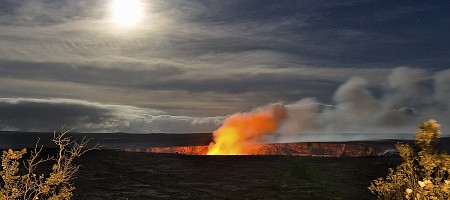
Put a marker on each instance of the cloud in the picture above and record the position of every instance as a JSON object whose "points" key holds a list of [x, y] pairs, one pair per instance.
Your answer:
{"points": [[442, 89], [397, 109], [310, 33], [25, 114], [409, 99], [225, 79], [406, 100], [409, 86], [197, 59], [301, 116], [44, 12]]}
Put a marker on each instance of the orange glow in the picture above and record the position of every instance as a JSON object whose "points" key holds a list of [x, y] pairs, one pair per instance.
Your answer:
{"points": [[240, 132], [323, 149]]}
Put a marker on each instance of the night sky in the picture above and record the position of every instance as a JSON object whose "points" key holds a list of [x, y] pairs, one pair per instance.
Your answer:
{"points": [[368, 66]]}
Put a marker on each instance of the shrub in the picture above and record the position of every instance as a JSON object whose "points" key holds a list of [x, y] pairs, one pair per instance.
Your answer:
{"points": [[424, 173], [22, 182]]}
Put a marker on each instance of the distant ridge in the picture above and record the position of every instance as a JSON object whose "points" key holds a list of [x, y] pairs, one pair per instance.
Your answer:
{"points": [[120, 141], [18, 139]]}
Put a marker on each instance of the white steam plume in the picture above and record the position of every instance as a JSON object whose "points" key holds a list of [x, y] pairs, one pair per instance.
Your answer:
{"points": [[408, 97]]}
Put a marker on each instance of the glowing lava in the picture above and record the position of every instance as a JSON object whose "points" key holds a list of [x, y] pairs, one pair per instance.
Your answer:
{"points": [[241, 131], [310, 149]]}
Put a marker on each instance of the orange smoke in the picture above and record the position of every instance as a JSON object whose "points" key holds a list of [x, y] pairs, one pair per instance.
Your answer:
{"points": [[241, 131]]}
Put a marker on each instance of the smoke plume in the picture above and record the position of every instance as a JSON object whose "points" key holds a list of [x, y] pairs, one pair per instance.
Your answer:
{"points": [[408, 96], [241, 131]]}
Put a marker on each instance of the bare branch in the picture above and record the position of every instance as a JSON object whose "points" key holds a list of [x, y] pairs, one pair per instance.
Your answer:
{"points": [[55, 185]]}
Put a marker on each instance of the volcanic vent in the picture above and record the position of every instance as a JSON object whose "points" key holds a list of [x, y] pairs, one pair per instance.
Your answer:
{"points": [[242, 133], [291, 149]]}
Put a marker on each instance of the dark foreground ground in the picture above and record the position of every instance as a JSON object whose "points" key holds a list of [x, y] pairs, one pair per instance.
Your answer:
{"points": [[110, 174], [127, 175]]}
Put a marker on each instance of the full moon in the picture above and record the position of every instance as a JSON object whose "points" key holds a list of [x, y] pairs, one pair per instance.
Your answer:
{"points": [[127, 12]]}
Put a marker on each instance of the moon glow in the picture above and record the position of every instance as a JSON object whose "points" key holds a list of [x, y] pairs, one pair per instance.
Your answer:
{"points": [[127, 12]]}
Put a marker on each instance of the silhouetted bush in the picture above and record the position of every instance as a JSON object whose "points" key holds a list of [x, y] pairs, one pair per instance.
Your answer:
{"points": [[26, 184], [424, 173]]}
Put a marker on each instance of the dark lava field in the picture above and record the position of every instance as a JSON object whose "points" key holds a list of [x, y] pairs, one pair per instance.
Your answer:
{"points": [[129, 175]]}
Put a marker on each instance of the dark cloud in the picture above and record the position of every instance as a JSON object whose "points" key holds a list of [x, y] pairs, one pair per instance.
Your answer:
{"points": [[100, 74], [50, 114], [356, 34], [49, 12], [170, 78], [265, 83], [47, 116]]}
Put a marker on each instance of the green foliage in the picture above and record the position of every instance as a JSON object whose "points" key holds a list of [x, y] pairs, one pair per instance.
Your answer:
{"points": [[424, 173], [57, 185]]}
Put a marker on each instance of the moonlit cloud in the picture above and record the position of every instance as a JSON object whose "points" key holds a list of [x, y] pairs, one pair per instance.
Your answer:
{"points": [[26, 114], [193, 60]]}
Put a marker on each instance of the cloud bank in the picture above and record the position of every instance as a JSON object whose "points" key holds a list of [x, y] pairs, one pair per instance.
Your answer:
{"points": [[25, 114], [407, 97]]}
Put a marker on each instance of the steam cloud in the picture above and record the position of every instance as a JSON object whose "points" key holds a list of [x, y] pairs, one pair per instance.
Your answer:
{"points": [[408, 96]]}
